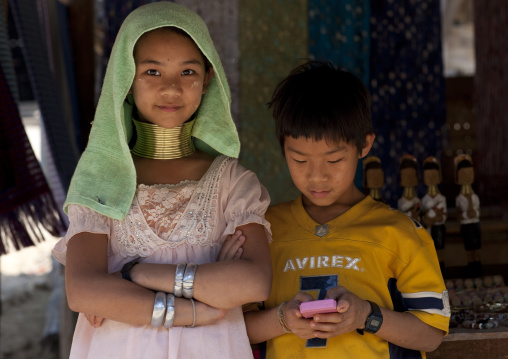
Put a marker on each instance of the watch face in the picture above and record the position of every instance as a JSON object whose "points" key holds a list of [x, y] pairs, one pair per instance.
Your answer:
{"points": [[374, 322]]}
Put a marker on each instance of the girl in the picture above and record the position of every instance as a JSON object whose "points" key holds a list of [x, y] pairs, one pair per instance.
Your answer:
{"points": [[173, 196]]}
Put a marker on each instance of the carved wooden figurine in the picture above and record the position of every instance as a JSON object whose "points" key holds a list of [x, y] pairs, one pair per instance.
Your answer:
{"points": [[409, 203], [434, 209], [468, 214], [374, 177]]}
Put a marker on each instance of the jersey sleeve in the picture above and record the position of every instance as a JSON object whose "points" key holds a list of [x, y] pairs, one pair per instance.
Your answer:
{"points": [[81, 219], [422, 289], [247, 200]]}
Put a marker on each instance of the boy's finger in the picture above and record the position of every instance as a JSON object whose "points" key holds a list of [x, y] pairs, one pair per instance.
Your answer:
{"points": [[335, 292], [342, 306]]}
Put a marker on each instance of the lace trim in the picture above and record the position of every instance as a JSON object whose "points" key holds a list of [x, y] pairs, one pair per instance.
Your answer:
{"points": [[194, 224]]}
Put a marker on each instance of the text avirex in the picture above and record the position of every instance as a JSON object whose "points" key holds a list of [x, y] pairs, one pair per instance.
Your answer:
{"points": [[322, 262]]}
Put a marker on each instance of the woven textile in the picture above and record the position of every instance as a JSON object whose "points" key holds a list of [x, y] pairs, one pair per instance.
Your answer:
{"points": [[32, 24], [25, 198], [339, 31], [491, 92], [273, 40], [407, 84]]}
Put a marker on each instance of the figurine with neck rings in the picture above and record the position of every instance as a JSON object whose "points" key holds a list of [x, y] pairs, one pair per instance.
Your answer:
{"points": [[374, 177], [468, 214], [409, 203], [434, 209]]}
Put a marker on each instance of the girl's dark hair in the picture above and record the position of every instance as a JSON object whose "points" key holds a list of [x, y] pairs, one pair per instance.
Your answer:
{"points": [[320, 101], [181, 32]]}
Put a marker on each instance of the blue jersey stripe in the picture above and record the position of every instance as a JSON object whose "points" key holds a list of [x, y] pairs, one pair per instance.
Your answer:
{"points": [[423, 303]]}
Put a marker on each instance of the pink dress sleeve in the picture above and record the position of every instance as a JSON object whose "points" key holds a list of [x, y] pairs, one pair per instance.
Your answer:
{"points": [[82, 219], [247, 200]]}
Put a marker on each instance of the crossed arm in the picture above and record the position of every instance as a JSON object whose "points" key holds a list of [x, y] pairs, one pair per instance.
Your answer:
{"points": [[218, 286]]}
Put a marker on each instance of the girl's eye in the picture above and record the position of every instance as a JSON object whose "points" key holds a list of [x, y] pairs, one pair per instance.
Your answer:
{"points": [[153, 72], [300, 161], [188, 72]]}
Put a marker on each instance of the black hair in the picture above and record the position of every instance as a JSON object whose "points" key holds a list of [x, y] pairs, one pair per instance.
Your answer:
{"points": [[180, 32], [430, 166], [373, 165], [464, 164], [318, 100], [408, 163]]}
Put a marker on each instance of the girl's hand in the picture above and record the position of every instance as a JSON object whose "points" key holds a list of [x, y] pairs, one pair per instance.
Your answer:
{"points": [[299, 325], [94, 320], [206, 315], [232, 247], [352, 314]]}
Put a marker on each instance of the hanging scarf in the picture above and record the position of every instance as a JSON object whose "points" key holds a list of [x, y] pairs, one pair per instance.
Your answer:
{"points": [[105, 178], [26, 201]]}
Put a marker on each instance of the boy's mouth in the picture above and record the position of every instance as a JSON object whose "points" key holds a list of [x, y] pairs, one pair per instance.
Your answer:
{"points": [[319, 194]]}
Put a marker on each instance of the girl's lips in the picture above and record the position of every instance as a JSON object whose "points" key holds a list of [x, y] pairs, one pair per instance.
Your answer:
{"points": [[319, 194], [169, 108]]}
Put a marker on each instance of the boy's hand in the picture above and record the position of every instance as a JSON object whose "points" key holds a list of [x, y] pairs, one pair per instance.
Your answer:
{"points": [[352, 314], [232, 247], [299, 325]]}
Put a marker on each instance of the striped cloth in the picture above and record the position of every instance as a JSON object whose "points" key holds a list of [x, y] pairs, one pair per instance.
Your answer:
{"points": [[27, 16], [26, 202]]}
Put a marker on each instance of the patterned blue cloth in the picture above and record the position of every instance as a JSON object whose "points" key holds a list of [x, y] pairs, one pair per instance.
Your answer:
{"points": [[339, 32], [407, 85]]}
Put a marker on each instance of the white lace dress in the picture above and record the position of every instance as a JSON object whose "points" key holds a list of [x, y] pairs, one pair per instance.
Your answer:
{"points": [[186, 222]]}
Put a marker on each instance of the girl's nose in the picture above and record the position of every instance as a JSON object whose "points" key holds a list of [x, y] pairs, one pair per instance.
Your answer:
{"points": [[171, 87]]}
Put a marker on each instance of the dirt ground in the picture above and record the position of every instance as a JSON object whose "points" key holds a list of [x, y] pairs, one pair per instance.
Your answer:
{"points": [[26, 286], [22, 323]]}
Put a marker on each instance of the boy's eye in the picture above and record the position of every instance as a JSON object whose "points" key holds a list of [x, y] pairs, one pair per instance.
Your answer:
{"points": [[153, 72], [188, 72], [340, 159]]}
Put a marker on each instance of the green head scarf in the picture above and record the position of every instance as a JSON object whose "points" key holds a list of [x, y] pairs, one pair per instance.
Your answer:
{"points": [[105, 178]]}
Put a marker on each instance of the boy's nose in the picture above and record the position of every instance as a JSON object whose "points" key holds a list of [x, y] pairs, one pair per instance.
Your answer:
{"points": [[317, 173]]}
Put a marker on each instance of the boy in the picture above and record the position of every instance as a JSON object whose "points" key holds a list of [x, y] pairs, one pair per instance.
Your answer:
{"points": [[335, 242]]}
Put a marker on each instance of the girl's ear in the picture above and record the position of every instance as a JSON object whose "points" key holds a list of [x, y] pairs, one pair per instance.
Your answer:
{"points": [[208, 77], [369, 141]]}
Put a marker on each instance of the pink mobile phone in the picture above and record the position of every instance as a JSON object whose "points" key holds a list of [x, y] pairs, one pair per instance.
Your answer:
{"points": [[309, 309]]}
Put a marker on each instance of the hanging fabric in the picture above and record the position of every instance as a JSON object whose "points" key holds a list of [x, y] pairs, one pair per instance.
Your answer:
{"points": [[339, 32], [26, 202], [407, 84], [58, 124]]}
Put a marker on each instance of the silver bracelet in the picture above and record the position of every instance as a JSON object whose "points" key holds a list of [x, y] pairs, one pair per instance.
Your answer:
{"points": [[170, 310], [193, 313], [180, 270], [188, 280], [159, 309]]}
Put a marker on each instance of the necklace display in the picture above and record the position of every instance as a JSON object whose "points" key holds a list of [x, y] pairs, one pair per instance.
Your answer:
{"points": [[163, 143]]}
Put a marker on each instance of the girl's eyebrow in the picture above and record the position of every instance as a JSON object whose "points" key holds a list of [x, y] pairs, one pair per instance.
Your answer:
{"points": [[155, 62]]}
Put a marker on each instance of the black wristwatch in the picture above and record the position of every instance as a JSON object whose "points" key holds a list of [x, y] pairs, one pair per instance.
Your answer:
{"points": [[126, 269], [374, 320]]}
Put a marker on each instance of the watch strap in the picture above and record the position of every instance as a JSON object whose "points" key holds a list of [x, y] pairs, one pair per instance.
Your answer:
{"points": [[374, 315], [126, 269]]}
